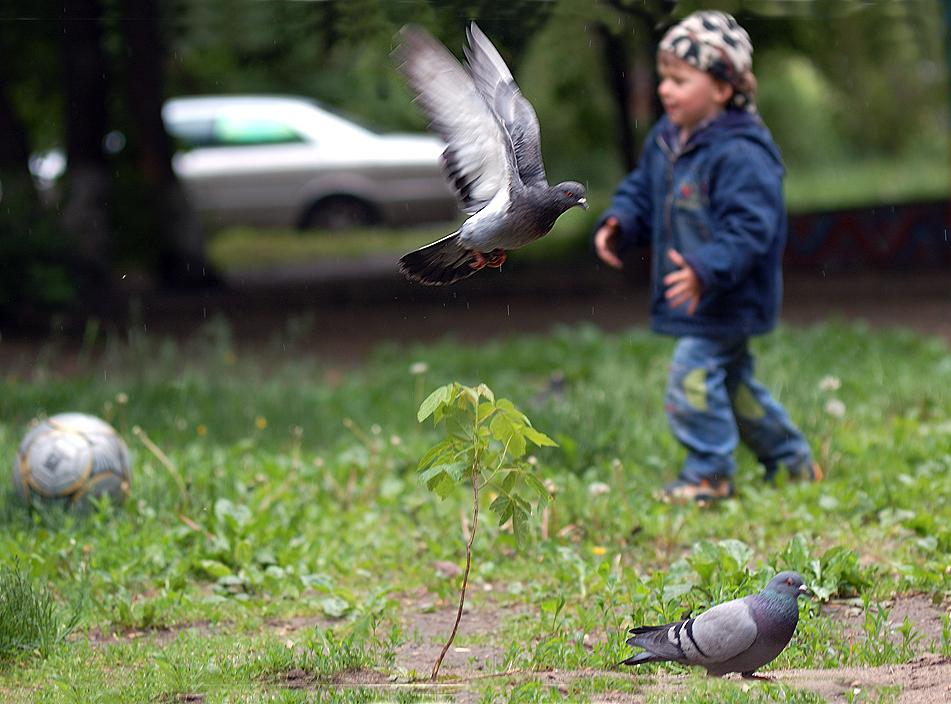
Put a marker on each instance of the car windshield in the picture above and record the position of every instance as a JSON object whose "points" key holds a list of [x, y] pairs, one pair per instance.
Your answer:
{"points": [[358, 120]]}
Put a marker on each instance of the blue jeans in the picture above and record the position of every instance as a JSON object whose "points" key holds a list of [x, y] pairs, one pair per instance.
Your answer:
{"points": [[712, 401]]}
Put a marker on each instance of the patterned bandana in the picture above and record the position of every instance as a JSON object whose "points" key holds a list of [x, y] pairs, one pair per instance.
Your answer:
{"points": [[715, 43]]}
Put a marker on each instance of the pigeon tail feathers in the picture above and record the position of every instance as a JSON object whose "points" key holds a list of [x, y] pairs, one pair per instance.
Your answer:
{"points": [[641, 658], [443, 262], [656, 643]]}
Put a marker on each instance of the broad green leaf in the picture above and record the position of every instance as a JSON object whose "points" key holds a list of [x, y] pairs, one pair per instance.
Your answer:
{"points": [[427, 407], [485, 410], [243, 552], [739, 552], [434, 453], [516, 445], [470, 395], [334, 607], [502, 507], [520, 528], [515, 415], [501, 428], [485, 391], [215, 569], [455, 471], [505, 405], [539, 438], [537, 485]]}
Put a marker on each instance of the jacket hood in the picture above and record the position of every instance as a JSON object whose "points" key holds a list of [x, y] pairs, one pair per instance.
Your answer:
{"points": [[728, 124]]}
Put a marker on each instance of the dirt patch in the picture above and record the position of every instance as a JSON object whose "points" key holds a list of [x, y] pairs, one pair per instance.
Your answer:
{"points": [[428, 629], [922, 613], [926, 680], [158, 634]]}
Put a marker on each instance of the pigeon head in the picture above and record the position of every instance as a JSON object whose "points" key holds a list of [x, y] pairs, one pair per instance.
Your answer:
{"points": [[569, 194], [789, 584]]}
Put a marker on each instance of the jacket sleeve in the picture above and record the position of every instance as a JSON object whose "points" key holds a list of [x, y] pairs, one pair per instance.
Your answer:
{"points": [[632, 202], [746, 201]]}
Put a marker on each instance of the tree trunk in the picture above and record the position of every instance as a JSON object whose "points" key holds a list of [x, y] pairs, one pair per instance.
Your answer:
{"points": [[85, 215], [16, 184], [182, 257], [616, 62]]}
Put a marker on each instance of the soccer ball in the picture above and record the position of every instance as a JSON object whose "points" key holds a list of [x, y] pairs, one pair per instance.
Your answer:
{"points": [[71, 457]]}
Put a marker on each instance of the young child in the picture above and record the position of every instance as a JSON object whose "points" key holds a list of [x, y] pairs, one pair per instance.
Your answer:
{"points": [[707, 195]]}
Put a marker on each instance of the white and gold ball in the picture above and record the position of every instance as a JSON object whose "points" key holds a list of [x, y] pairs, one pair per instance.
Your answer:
{"points": [[71, 457]]}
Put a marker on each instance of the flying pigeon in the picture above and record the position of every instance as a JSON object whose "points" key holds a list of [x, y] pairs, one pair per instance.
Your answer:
{"points": [[492, 157], [738, 636]]}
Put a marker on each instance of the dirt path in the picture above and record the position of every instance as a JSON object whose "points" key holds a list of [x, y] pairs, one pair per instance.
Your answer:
{"points": [[341, 318]]}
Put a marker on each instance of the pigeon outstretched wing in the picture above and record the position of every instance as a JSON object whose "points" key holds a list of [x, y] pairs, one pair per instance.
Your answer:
{"points": [[479, 156], [494, 80]]}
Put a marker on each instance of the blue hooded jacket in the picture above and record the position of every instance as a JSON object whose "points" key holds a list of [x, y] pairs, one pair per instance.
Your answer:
{"points": [[719, 202]]}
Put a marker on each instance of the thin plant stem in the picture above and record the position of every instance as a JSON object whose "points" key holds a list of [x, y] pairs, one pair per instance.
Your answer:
{"points": [[165, 462], [465, 575]]}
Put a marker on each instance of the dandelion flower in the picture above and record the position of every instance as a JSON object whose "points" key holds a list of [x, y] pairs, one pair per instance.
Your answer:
{"points": [[418, 368], [260, 422], [598, 489], [835, 408], [830, 383], [201, 430], [599, 550]]}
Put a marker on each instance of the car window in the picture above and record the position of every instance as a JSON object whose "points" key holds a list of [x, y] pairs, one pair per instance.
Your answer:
{"points": [[189, 134], [233, 130]]}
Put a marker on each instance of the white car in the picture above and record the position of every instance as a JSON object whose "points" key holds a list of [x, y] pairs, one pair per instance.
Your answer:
{"points": [[286, 161]]}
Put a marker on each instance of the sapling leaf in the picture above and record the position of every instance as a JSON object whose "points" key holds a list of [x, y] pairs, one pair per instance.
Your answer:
{"points": [[507, 433], [520, 527], [507, 407], [503, 507], [471, 395], [538, 437], [442, 478], [485, 410], [483, 390], [537, 485], [436, 452], [437, 397]]}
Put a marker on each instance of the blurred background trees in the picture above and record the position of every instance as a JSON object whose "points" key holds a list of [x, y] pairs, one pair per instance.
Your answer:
{"points": [[841, 82]]}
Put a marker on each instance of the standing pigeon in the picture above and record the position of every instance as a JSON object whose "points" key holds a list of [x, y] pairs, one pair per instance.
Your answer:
{"points": [[739, 636], [492, 157]]}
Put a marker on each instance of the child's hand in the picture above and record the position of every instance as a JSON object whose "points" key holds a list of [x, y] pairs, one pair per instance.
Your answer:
{"points": [[683, 286], [605, 243]]}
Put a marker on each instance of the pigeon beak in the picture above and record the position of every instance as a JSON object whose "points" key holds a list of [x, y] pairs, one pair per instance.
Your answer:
{"points": [[804, 590], [583, 202]]}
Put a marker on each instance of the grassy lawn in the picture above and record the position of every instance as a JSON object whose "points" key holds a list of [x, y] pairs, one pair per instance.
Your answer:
{"points": [[831, 187], [301, 552]]}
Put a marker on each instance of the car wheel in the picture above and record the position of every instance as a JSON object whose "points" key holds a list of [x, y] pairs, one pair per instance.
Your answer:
{"points": [[340, 213]]}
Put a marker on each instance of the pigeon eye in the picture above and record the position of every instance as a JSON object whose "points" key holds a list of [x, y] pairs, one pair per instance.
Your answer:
{"points": [[569, 194]]}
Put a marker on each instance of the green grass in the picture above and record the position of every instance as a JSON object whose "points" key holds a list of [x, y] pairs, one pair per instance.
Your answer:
{"points": [[835, 186], [300, 499], [869, 182], [30, 621]]}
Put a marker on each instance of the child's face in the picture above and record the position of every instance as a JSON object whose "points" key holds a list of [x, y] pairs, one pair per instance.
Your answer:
{"points": [[690, 96]]}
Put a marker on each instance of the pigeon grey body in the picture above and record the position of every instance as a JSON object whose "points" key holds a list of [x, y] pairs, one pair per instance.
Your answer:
{"points": [[738, 636], [492, 156]]}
